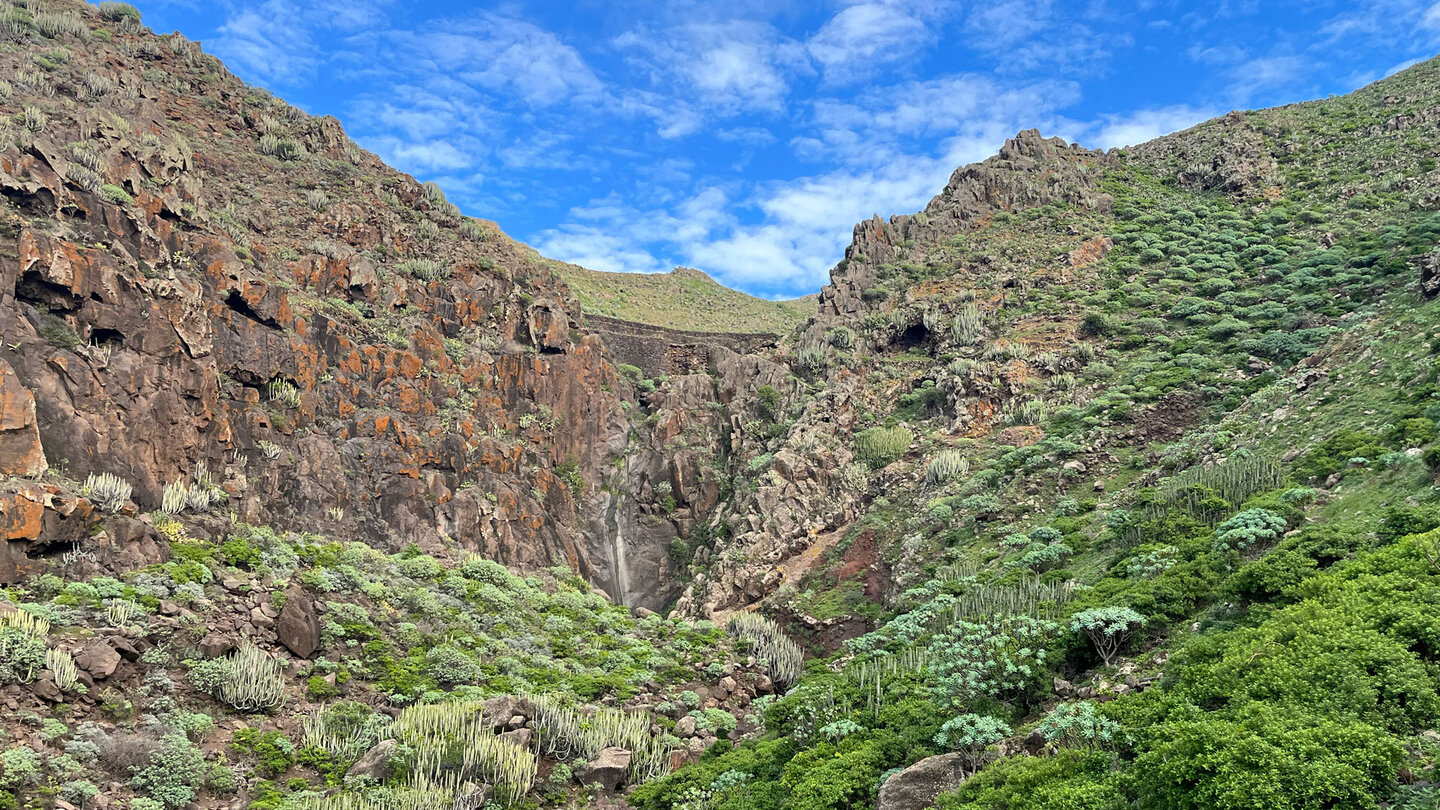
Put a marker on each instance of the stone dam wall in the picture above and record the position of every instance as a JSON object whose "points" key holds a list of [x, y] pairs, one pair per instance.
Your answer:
{"points": [[657, 350]]}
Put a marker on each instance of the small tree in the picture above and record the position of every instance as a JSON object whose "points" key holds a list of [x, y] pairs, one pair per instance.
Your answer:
{"points": [[1108, 628], [1078, 725], [1248, 528], [969, 735]]}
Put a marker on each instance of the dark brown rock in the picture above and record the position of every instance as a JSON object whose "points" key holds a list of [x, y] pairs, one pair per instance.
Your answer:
{"points": [[298, 628], [99, 659], [216, 645]]}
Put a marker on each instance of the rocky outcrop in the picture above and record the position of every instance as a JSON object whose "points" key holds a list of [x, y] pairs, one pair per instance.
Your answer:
{"points": [[1029, 171], [1227, 154], [916, 787], [659, 351]]}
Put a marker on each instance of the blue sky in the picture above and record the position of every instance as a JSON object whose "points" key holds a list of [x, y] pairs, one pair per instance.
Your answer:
{"points": [[747, 137]]}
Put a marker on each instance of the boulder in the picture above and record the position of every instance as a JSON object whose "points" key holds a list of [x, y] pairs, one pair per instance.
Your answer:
{"points": [[375, 764], [298, 628], [501, 711], [99, 659], [685, 726], [608, 769], [520, 736], [1035, 742], [126, 648], [472, 797], [916, 787], [44, 688], [215, 646]]}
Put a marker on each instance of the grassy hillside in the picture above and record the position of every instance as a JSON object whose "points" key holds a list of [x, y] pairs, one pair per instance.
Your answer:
{"points": [[1160, 520], [682, 299]]}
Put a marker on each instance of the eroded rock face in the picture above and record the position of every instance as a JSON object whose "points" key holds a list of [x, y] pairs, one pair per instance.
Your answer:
{"points": [[20, 450], [216, 320]]}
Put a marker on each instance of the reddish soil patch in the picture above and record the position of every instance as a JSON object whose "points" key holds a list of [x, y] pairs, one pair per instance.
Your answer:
{"points": [[862, 560]]}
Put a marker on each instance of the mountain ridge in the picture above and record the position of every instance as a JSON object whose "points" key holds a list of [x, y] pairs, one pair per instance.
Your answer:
{"points": [[1070, 492]]}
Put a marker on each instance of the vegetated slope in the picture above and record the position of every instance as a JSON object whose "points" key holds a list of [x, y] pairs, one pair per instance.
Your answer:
{"points": [[273, 418], [682, 299], [1126, 463], [1107, 479]]}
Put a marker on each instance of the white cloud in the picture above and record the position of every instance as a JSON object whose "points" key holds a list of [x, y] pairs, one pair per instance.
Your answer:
{"points": [[1139, 126], [882, 124], [420, 156], [1431, 18], [598, 249], [275, 41], [999, 26], [271, 41], [731, 66], [863, 38], [801, 230], [1253, 76], [502, 55]]}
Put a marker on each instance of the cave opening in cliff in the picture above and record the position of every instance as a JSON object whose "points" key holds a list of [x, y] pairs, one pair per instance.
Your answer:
{"points": [[913, 336], [107, 337], [34, 289], [237, 302]]}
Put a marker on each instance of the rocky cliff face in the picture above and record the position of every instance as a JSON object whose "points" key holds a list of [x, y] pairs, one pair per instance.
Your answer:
{"points": [[203, 287]]}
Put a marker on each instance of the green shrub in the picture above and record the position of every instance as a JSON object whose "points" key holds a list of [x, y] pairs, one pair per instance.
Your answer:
{"points": [[282, 147], [115, 195], [249, 679], [880, 446], [22, 654], [116, 12], [274, 753], [424, 269], [1045, 558], [946, 464], [19, 767], [1248, 529], [1108, 628], [998, 657], [1334, 454], [1270, 757], [1072, 779], [174, 774]]}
